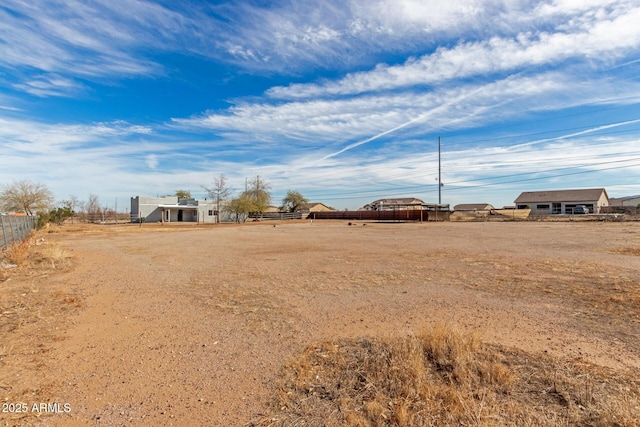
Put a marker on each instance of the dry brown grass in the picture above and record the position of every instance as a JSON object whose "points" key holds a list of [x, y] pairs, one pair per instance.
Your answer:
{"points": [[17, 252], [629, 251], [54, 256], [37, 253], [32, 309], [446, 377]]}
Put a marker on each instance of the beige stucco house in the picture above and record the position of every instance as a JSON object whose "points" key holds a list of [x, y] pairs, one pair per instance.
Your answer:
{"points": [[559, 202], [473, 207], [316, 207]]}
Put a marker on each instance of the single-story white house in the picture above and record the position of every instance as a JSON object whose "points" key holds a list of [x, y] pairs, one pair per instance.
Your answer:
{"points": [[172, 209], [557, 202]]}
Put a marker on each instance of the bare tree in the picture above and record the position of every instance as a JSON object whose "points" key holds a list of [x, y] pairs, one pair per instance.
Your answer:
{"points": [[92, 208], [259, 194], [73, 202], [219, 192], [25, 196]]}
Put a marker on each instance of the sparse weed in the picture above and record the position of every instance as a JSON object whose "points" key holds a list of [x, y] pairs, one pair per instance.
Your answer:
{"points": [[55, 255]]}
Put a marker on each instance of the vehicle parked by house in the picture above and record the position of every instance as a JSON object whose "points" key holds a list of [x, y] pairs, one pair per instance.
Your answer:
{"points": [[580, 209]]}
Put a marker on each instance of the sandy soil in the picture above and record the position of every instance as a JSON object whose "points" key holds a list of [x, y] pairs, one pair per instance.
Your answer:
{"points": [[193, 325]]}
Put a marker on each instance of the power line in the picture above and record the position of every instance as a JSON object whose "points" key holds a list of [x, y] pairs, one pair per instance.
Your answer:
{"points": [[539, 178], [352, 194]]}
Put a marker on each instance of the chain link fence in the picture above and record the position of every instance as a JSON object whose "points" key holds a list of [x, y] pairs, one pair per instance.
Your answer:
{"points": [[106, 217], [13, 228]]}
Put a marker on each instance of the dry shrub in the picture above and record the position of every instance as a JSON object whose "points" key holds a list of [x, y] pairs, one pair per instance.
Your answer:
{"points": [[17, 252], [54, 255], [445, 377], [35, 254]]}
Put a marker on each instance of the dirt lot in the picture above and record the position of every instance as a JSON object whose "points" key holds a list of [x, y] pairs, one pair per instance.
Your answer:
{"points": [[194, 325]]}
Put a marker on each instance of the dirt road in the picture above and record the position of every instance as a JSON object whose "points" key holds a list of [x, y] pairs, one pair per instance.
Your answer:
{"points": [[192, 326]]}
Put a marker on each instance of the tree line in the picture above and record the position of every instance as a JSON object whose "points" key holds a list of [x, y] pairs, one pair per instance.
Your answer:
{"points": [[35, 198], [253, 201]]}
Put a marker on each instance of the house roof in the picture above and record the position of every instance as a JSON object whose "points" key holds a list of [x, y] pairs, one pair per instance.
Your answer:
{"points": [[625, 198], [315, 205], [400, 201], [624, 201], [561, 196], [473, 207]]}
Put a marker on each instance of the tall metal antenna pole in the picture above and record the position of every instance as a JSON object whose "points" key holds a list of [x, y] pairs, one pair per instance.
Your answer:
{"points": [[439, 176]]}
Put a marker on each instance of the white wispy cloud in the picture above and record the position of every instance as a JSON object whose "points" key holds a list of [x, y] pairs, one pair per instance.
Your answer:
{"points": [[610, 37], [331, 123], [51, 85], [291, 36], [152, 161], [37, 137], [74, 39], [9, 108], [117, 38]]}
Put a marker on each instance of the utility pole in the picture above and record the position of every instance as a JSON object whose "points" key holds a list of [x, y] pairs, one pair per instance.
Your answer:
{"points": [[439, 176]]}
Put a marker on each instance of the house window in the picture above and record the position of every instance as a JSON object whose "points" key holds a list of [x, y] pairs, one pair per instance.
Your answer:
{"points": [[542, 207], [210, 212], [557, 208], [523, 206]]}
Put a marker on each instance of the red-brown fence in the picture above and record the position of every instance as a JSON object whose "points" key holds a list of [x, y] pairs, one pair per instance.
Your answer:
{"points": [[390, 215]]}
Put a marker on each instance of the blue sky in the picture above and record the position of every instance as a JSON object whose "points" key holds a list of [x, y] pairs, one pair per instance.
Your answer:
{"points": [[343, 101]]}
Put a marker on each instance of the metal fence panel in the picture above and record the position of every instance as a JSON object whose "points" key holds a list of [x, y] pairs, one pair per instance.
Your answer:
{"points": [[13, 228]]}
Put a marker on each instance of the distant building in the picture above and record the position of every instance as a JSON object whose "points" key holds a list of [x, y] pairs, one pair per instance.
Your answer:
{"points": [[559, 202], [631, 201], [473, 207], [316, 207], [402, 204], [272, 209], [172, 209]]}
